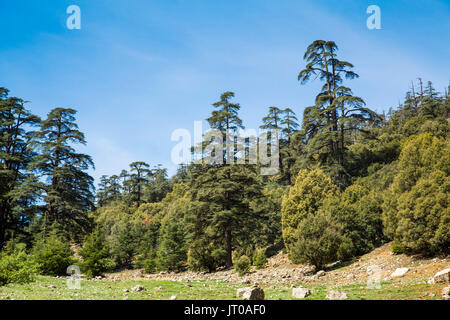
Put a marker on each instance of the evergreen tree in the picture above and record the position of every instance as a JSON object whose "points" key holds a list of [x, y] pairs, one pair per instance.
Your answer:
{"points": [[69, 188], [137, 180], [17, 195], [336, 110]]}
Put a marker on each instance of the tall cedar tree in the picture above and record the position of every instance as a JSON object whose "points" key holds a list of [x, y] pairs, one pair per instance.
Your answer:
{"points": [[336, 110], [69, 188], [225, 189], [17, 199]]}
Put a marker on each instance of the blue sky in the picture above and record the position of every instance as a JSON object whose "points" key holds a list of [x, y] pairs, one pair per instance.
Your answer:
{"points": [[139, 69]]}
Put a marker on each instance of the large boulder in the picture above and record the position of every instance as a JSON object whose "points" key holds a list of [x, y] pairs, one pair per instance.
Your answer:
{"points": [[300, 293], [138, 288], [446, 293], [399, 272], [336, 295], [442, 276], [250, 293]]}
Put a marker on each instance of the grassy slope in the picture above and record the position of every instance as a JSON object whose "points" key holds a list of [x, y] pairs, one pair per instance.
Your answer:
{"points": [[412, 286], [201, 290]]}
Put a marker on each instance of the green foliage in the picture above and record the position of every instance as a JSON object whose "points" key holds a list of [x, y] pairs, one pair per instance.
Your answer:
{"points": [[69, 191], [16, 266], [95, 255], [18, 185], [53, 255], [259, 258], [359, 212], [319, 238], [205, 256], [220, 210], [303, 200], [124, 242], [415, 211], [267, 208], [172, 253], [243, 265]]}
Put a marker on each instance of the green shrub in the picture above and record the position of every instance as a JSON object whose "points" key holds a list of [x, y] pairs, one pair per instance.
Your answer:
{"points": [[304, 199], [204, 255], [397, 247], [319, 238], [172, 248], [415, 210], [124, 242], [259, 258], [359, 212], [95, 255], [147, 261], [53, 256], [242, 265], [16, 267]]}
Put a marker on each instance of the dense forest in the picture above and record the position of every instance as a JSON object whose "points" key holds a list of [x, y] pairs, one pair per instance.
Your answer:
{"points": [[350, 179]]}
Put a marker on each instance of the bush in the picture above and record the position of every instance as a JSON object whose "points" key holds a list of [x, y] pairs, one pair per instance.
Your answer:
{"points": [[172, 248], [318, 240], [53, 256], [95, 255], [124, 243], [359, 211], [147, 261], [259, 258], [16, 267], [415, 210], [304, 199], [204, 255], [242, 265]]}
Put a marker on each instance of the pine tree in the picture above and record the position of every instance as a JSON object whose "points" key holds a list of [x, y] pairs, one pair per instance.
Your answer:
{"points": [[222, 192], [69, 188], [336, 110], [137, 180], [18, 194]]}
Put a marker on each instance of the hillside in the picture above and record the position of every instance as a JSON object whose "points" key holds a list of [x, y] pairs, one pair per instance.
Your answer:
{"points": [[280, 273]]}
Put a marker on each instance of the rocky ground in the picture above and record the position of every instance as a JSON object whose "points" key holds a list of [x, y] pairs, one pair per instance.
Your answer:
{"points": [[379, 264]]}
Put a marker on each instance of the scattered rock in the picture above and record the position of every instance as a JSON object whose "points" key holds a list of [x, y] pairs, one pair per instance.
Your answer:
{"points": [[320, 273], [311, 278], [52, 286], [300, 293], [250, 293], [446, 293], [442, 276], [399, 272], [336, 295], [173, 298], [159, 288], [126, 290], [138, 288], [98, 277], [350, 276]]}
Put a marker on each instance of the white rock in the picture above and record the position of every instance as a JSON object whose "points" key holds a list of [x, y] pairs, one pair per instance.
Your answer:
{"points": [[173, 298], [446, 293], [138, 288], [250, 293], [336, 295], [300, 293], [399, 272], [442, 276], [321, 273]]}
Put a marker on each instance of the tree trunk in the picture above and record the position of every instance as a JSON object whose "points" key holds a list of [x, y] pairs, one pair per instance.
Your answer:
{"points": [[229, 260]]}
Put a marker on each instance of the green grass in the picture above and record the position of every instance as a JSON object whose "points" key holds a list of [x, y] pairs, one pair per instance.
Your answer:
{"points": [[200, 290]]}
